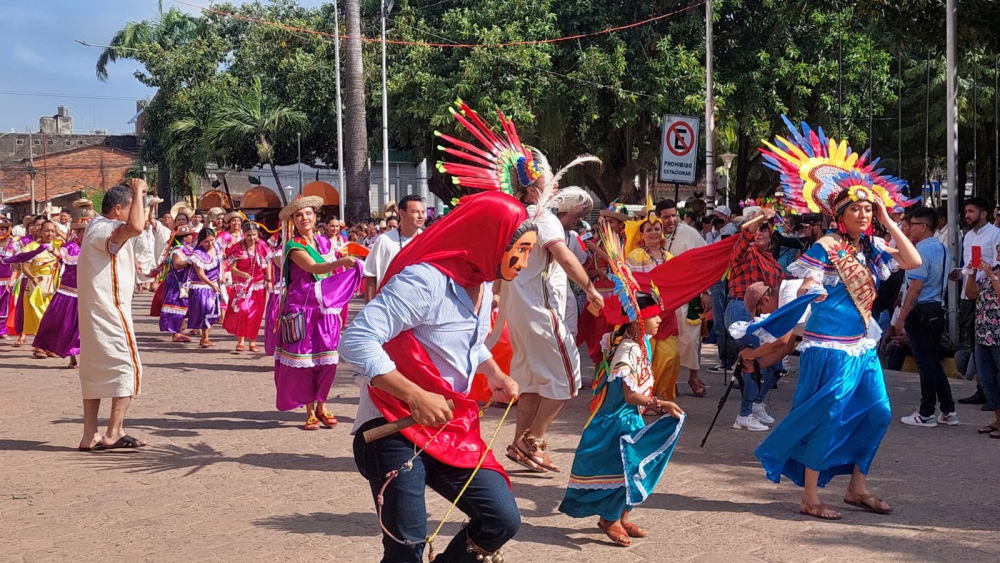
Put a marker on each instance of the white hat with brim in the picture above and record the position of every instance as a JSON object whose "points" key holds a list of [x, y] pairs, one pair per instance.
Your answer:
{"points": [[313, 201]]}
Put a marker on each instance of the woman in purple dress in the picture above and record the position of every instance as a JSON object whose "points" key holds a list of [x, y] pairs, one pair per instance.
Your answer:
{"points": [[175, 297], [59, 331], [305, 364], [203, 295]]}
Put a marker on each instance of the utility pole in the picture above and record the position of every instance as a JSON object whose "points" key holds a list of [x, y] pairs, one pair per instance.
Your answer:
{"points": [[954, 205], [341, 189], [31, 169], [386, 6], [298, 159], [709, 113]]}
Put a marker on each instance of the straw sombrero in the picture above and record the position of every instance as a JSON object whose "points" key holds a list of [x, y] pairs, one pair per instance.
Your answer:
{"points": [[183, 232], [232, 215], [215, 212], [83, 203], [84, 218], [313, 201]]}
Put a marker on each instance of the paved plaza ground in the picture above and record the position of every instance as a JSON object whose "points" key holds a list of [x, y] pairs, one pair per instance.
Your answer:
{"points": [[228, 478]]}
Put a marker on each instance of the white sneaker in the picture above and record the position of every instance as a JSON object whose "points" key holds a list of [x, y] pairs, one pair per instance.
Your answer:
{"points": [[749, 423], [760, 413], [949, 419], [916, 420]]}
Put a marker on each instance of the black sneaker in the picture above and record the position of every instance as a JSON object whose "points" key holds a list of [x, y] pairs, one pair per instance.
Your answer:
{"points": [[977, 398]]}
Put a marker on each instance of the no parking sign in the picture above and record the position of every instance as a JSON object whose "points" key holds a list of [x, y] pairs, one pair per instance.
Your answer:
{"points": [[679, 149]]}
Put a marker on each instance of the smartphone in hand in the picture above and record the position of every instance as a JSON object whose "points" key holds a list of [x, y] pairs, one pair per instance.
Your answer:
{"points": [[977, 256]]}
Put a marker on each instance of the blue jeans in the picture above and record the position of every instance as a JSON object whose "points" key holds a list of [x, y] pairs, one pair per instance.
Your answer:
{"points": [[753, 394], [988, 373], [727, 355], [925, 347], [488, 502]]}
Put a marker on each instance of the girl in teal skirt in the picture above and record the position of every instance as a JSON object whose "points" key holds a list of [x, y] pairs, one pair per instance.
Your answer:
{"points": [[620, 458]]}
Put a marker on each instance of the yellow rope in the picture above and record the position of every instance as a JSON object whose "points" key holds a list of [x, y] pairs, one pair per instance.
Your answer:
{"points": [[489, 447]]}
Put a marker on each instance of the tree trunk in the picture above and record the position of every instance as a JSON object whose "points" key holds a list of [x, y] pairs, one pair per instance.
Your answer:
{"points": [[356, 174], [277, 182], [225, 186]]}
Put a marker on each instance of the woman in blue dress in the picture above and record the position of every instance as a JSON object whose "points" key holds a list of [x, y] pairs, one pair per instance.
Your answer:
{"points": [[840, 410], [620, 458]]}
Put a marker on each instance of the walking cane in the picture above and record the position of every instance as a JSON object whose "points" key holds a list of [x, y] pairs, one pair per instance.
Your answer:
{"points": [[391, 428]]}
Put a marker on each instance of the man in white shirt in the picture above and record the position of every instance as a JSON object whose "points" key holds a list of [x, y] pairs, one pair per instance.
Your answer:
{"points": [[986, 236], [197, 221], [412, 214], [729, 229], [943, 233], [680, 238]]}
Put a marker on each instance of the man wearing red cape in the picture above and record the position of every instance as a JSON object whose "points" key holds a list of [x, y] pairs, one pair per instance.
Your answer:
{"points": [[419, 343]]}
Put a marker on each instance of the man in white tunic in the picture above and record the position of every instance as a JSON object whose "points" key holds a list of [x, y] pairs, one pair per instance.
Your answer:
{"points": [[109, 356], [546, 361]]}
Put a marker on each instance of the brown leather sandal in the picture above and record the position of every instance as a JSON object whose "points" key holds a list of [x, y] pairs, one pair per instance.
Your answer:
{"points": [[515, 455], [537, 452], [821, 511], [615, 532], [634, 530], [869, 502]]}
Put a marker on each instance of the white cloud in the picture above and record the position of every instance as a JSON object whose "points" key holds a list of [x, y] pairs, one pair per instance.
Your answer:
{"points": [[26, 55]]}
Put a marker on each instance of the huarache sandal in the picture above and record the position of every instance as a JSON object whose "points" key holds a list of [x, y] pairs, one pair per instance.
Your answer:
{"points": [[615, 531], [40, 355], [995, 434], [312, 423], [180, 338], [634, 531], [821, 511], [989, 429], [515, 455], [328, 419], [536, 450], [18, 344], [697, 388], [868, 502], [240, 348], [254, 348], [124, 443]]}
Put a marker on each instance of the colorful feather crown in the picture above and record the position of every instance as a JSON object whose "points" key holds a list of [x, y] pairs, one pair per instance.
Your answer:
{"points": [[822, 176], [502, 163]]}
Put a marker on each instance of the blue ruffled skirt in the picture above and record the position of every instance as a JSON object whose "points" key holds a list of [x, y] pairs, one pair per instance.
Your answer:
{"points": [[840, 412]]}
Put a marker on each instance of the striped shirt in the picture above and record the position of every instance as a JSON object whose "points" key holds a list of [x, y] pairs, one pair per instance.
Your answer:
{"points": [[442, 317]]}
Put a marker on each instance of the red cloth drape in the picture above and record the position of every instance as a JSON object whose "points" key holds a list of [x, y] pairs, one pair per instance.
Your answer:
{"points": [[682, 278]]}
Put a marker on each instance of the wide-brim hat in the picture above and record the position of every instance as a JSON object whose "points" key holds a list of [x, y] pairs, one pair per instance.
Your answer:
{"points": [[215, 212], [82, 221], [153, 200], [313, 201], [616, 211], [4, 221], [181, 209], [183, 232], [232, 215], [83, 203]]}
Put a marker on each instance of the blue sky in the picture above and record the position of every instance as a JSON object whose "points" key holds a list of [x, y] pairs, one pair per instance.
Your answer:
{"points": [[42, 67]]}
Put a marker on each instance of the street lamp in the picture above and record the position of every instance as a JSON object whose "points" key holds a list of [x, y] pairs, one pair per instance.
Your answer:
{"points": [[288, 193], [727, 163]]}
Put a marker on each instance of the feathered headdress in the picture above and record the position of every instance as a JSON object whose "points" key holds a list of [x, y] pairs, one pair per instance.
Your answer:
{"points": [[626, 290], [503, 163], [823, 176]]}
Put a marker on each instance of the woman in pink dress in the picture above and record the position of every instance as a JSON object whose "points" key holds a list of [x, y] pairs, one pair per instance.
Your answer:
{"points": [[250, 266]]}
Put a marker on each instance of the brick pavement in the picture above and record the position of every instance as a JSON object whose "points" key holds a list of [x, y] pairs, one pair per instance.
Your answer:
{"points": [[228, 478]]}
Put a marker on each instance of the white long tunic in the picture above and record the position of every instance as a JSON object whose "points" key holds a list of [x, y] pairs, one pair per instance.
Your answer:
{"points": [[546, 360], [109, 356]]}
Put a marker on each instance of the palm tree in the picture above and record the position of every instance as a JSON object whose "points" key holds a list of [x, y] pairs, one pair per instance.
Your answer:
{"points": [[254, 117], [135, 41], [356, 174]]}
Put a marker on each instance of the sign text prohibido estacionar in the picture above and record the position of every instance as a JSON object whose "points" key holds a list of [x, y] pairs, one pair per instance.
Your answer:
{"points": [[679, 149]]}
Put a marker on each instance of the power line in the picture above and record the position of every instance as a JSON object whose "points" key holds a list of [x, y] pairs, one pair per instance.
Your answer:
{"points": [[55, 95]]}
